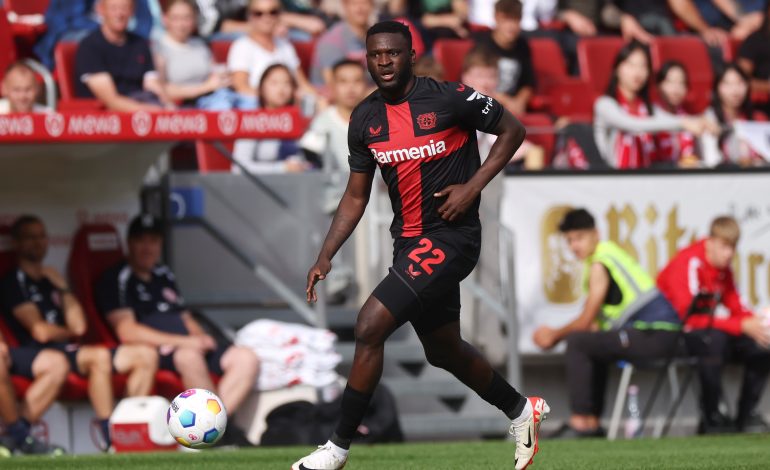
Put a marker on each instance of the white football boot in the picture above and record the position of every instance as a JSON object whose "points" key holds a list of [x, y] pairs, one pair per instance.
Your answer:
{"points": [[526, 433], [323, 458]]}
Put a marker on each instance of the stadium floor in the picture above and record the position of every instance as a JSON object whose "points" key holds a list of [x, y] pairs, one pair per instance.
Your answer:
{"points": [[734, 452]]}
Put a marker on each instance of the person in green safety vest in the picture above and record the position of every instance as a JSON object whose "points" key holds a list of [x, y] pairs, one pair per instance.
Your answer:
{"points": [[624, 317]]}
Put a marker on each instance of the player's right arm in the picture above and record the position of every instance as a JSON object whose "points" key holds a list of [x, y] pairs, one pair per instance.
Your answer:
{"points": [[349, 213], [130, 331]]}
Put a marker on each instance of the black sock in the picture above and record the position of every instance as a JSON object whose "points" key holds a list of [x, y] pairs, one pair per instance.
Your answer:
{"points": [[354, 405], [104, 425], [18, 430], [502, 395]]}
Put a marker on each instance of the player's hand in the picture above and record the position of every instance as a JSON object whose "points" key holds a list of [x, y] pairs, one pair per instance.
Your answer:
{"points": [[207, 342], [459, 198], [754, 328], [544, 337], [317, 273]]}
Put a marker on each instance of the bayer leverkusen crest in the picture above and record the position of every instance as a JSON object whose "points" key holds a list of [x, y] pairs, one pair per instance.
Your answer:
{"points": [[426, 121]]}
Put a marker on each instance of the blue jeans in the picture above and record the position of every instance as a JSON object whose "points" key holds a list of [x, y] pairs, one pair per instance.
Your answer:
{"points": [[225, 99]]}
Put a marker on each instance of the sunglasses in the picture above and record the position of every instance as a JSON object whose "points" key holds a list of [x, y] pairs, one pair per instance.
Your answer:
{"points": [[260, 13]]}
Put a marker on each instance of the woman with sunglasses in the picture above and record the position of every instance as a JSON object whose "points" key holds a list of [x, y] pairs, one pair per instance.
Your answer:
{"points": [[252, 54]]}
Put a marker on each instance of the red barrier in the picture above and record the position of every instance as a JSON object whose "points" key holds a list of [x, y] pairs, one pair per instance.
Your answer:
{"points": [[144, 126]]}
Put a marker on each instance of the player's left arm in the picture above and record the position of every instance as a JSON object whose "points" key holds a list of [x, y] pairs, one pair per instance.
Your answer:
{"points": [[510, 134], [74, 317]]}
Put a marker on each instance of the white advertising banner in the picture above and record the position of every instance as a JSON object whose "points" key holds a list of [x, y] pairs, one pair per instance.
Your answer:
{"points": [[650, 216]]}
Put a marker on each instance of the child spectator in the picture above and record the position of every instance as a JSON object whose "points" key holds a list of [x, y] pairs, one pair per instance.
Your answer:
{"points": [[623, 118], [116, 66], [480, 72], [516, 74], [186, 65], [251, 55], [674, 148], [19, 90], [276, 90], [732, 103], [345, 40]]}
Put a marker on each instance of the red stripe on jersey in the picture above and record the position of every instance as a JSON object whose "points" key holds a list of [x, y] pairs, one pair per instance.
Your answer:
{"points": [[409, 177]]}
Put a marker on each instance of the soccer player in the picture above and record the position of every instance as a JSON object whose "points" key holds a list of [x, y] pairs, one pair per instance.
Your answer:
{"points": [[46, 315], [734, 333], [422, 135], [624, 318]]}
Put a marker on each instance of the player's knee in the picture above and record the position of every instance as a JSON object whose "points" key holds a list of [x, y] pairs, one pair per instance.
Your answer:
{"points": [[145, 358], [577, 340], [53, 364], [369, 333], [244, 361], [99, 359], [188, 360]]}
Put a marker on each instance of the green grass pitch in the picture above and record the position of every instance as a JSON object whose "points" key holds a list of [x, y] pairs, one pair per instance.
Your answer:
{"points": [[733, 452]]}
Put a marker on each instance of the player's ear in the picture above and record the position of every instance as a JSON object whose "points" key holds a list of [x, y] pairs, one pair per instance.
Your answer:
{"points": [[413, 56]]}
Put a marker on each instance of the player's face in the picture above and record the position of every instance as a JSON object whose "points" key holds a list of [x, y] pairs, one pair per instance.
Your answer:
{"points": [[582, 243], [20, 88], [32, 244], [719, 252], [349, 86], [144, 251], [116, 14], [390, 61], [179, 21]]}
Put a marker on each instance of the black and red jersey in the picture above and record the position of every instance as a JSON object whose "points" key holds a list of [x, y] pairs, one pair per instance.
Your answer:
{"points": [[422, 143]]}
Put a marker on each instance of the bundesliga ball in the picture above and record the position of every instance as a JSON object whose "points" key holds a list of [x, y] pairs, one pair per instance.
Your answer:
{"points": [[196, 418]]}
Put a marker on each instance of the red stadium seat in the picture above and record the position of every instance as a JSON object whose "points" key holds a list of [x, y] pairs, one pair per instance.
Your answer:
{"points": [[25, 32], [550, 70], [64, 56], [540, 131], [95, 248], [7, 46], [574, 99], [450, 53], [693, 54], [595, 57], [417, 42], [27, 7], [220, 49], [210, 159]]}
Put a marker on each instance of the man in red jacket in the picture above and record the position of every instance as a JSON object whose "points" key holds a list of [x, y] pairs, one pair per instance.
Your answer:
{"points": [[736, 333]]}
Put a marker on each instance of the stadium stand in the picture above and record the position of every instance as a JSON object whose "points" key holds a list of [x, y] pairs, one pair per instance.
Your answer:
{"points": [[64, 56], [595, 57], [692, 53], [450, 54]]}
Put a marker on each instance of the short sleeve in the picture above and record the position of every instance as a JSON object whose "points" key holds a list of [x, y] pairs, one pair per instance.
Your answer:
{"points": [[360, 159], [107, 293], [12, 293], [239, 58], [148, 63], [473, 109]]}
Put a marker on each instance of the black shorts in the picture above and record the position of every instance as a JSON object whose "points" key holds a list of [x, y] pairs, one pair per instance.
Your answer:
{"points": [[22, 357], [423, 285], [213, 360]]}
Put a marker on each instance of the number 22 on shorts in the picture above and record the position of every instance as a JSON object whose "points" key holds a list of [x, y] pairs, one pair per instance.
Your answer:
{"points": [[426, 263]]}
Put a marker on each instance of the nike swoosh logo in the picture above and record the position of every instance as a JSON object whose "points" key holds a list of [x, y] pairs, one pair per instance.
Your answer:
{"points": [[529, 440], [303, 467]]}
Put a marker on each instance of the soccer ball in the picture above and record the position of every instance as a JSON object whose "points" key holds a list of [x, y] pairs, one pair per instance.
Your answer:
{"points": [[196, 418]]}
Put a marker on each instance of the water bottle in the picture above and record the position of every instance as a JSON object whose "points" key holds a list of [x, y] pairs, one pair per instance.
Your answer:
{"points": [[634, 422]]}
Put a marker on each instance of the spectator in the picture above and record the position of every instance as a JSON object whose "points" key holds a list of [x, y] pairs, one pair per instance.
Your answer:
{"points": [[534, 13], [674, 148], [46, 315], [345, 40], [623, 117], [624, 318], [428, 66], [735, 333], [732, 103], [251, 55], [438, 18], [141, 301], [47, 369], [276, 90], [754, 57], [516, 80], [19, 90], [326, 139], [115, 65], [582, 19], [739, 18], [228, 19], [72, 20], [480, 72], [641, 21], [186, 65], [482, 12]]}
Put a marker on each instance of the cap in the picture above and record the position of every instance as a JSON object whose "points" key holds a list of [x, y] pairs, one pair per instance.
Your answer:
{"points": [[143, 224]]}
